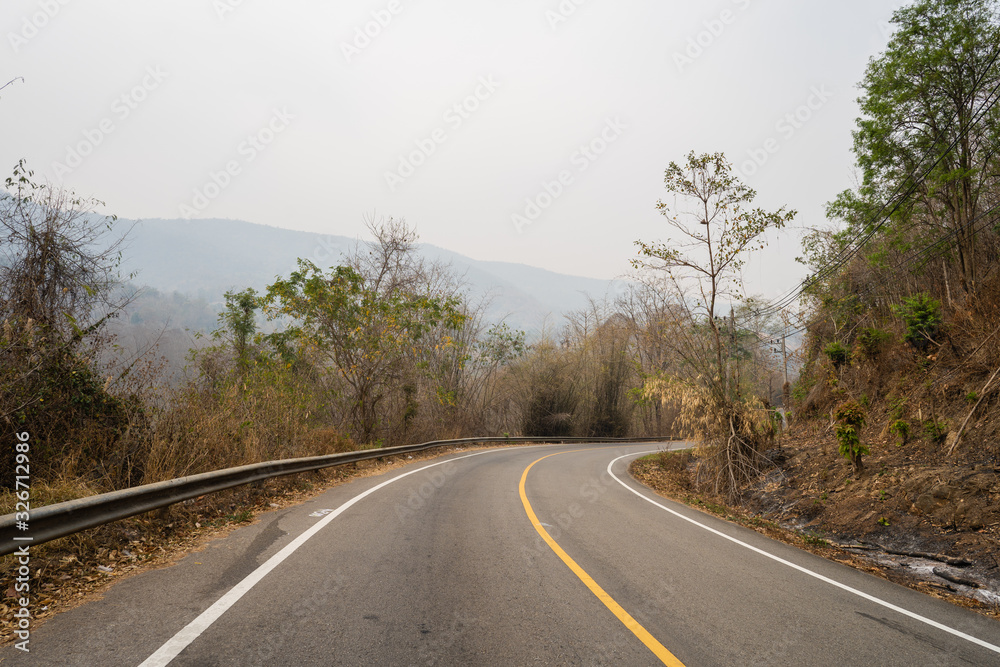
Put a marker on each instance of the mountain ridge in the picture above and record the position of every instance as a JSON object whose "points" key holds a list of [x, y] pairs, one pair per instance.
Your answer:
{"points": [[205, 258]]}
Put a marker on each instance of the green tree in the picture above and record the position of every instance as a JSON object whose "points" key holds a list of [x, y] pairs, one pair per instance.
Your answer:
{"points": [[922, 315], [239, 324], [366, 329], [922, 96]]}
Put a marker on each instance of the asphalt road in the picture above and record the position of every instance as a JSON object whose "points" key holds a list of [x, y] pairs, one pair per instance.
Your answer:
{"points": [[443, 565]]}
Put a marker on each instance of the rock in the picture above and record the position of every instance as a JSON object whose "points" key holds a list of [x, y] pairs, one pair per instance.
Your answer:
{"points": [[776, 456], [958, 517], [925, 504], [950, 440], [942, 491], [981, 483]]}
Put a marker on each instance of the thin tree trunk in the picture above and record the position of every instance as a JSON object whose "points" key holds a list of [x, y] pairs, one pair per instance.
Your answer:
{"points": [[947, 285]]}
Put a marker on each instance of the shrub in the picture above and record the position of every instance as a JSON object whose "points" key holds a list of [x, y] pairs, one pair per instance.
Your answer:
{"points": [[852, 418], [897, 406], [922, 316], [837, 353], [802, 387], [901, 428], [936, 430], [871, 341]]}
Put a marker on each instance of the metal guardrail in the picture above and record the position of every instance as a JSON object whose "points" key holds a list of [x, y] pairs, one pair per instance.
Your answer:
{"points": [[61, 519]]}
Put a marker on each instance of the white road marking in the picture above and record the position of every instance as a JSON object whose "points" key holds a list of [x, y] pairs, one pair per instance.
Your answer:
{"points": [[320, 513], [871, 598], [193, 630]]}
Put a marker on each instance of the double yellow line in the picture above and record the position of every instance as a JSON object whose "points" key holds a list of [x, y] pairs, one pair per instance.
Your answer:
{"points": [[665, 656]]}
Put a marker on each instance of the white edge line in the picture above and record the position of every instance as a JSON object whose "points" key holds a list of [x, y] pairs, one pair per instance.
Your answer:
{"points": [[871, 598], [173, 647]]}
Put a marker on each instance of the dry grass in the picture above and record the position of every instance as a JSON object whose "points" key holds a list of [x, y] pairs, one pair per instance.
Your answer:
{"points": [[732, 433]]}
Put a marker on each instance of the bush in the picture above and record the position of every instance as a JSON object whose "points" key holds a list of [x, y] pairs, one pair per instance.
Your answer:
{"points": [[871, 341], [936, 430], [837, 353], [901, 428], [852, 418], [922, 316], [898, 406]]}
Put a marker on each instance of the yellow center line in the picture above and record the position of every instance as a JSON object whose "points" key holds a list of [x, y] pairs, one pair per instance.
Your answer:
{"points": [[665, 656]]}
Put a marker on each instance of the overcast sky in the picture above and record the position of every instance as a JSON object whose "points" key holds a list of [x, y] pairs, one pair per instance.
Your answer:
{"points": [[458, 115]]}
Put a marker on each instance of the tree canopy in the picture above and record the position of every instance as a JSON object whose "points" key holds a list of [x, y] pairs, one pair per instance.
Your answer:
{"points": [[929, 125]]}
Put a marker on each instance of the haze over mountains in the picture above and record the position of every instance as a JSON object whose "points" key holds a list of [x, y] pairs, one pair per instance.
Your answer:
{"points": [[204, 258]]}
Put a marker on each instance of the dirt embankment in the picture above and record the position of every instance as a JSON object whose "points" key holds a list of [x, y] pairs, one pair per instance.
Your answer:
{"points": [[909, 516]]}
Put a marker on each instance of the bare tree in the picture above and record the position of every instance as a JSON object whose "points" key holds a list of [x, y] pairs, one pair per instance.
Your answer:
{"points": [[714, 227], [58, 260], [59, 284]]}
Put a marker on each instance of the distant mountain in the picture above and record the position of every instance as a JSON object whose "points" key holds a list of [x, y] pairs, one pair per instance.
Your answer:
{"points": [[205, 258]]}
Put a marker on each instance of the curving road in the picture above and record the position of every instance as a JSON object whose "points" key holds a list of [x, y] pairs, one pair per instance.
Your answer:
{"points": [[546, 555]]}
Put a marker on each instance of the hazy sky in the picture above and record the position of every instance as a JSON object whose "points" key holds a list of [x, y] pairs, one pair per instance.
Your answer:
{"points": [[457, 115]]}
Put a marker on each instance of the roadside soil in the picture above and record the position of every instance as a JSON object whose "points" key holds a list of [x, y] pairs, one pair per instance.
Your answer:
{"points": [[909, 516]]}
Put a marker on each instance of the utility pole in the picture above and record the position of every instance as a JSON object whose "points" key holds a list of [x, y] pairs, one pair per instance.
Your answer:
{"points": [[732, 350], [784, 357], [720, 325], [786, 389]]}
